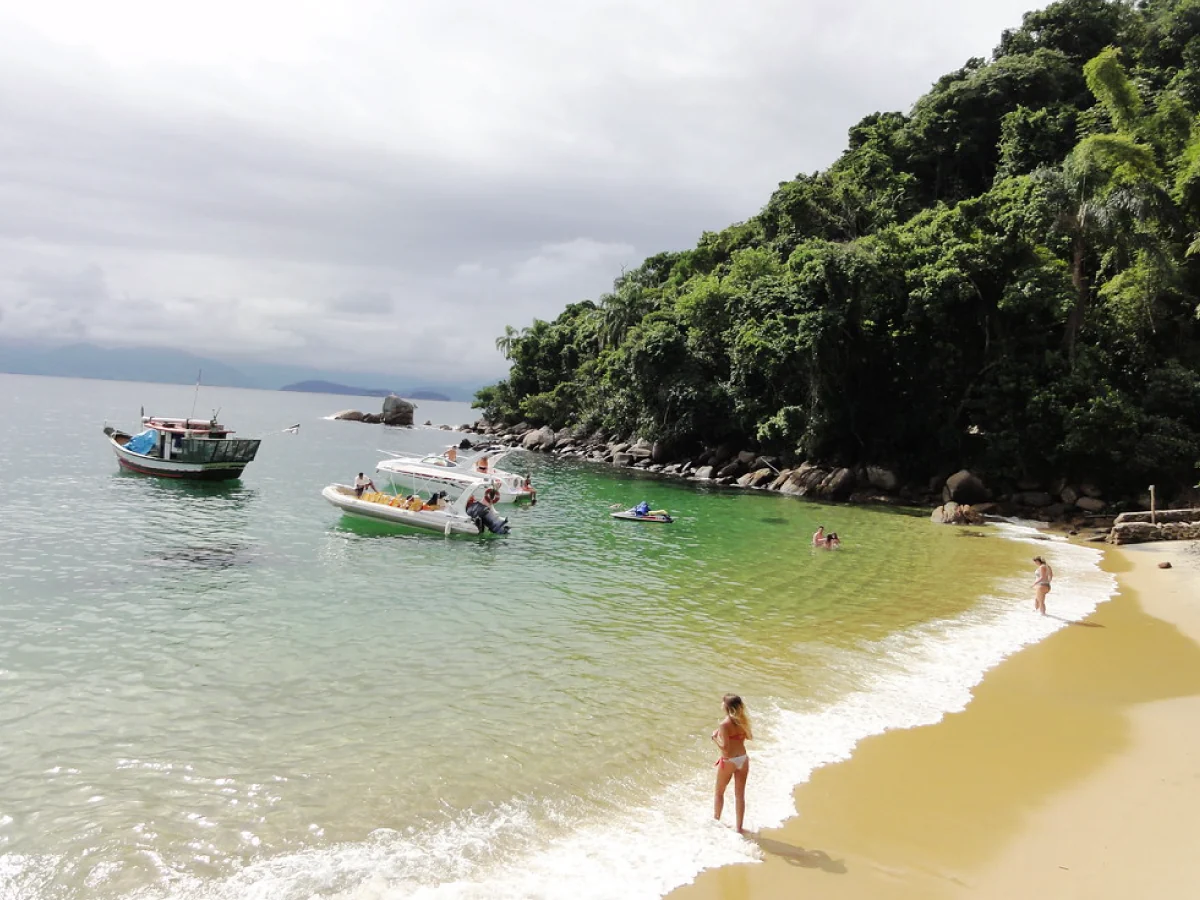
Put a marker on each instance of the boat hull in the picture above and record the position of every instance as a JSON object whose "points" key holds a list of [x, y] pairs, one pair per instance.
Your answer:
{"points": [[167, 468], [634, 517], [342, 496]]}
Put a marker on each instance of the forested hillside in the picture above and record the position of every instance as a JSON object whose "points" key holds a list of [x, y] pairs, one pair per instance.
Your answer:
{"points": [[1005, 277]]}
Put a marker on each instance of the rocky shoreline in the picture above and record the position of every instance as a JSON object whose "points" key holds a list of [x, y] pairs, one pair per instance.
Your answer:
{"points": [[960, 498]]}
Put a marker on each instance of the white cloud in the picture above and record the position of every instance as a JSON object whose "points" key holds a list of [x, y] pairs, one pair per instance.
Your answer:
{"points": [[267, 176]]}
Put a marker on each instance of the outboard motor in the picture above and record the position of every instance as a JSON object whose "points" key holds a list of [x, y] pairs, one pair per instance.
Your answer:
{"points": [[485, 517]]}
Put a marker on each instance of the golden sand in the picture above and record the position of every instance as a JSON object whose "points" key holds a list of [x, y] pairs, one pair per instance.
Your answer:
{"points": [[1074, 773]]}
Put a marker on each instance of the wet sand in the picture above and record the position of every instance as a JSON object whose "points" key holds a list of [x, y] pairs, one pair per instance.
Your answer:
{"points": [[1074, 773]]}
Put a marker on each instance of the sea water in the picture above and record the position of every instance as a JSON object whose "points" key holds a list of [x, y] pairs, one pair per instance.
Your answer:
{"points": [[231, 691]]}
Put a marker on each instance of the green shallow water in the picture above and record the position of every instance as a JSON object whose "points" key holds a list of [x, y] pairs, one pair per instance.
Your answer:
{"points": [[199, 679]]}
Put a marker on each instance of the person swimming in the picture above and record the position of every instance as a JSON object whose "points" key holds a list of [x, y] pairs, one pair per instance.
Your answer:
{"points": [[818, 538], [733, 763]]}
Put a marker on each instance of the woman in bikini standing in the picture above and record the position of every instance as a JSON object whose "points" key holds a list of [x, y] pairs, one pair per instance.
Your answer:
{"points": [[734, 763], [1041, 584]]}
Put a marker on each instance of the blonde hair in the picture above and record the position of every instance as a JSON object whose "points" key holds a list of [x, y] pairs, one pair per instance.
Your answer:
{"points": [[736, 710]]}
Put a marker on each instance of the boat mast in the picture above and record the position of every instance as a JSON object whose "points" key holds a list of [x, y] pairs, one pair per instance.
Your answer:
{"points": [[196, 395]]}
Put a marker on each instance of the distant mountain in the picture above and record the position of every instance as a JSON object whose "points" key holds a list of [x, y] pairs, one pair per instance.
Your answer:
{"points": [[141, 364], [331, 387], [167, 366], [425, 395]]}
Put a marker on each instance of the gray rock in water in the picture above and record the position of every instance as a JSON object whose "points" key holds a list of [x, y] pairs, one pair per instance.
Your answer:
{"points": [[837, 485], [965, 487], [542, 439], [622, 459], [350, 415], [704, 473], [732, 469], [396, 411], [1090, 504]]}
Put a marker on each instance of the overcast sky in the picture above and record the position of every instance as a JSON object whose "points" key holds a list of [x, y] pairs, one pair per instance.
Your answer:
{"points": [[383, 186]]}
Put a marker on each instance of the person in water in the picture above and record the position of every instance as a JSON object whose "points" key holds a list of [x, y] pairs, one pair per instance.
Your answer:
{"points": [[832, 541], [1041, 584], [819, 536], [361, 483], [733, 763]]}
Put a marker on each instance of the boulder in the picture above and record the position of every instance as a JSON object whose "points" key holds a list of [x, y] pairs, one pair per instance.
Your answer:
{"points": [[780, 479], [564, 435], [640, 452], [349, 415], [1164, 565], [882, 479], [396, 411], [622, 459], [837, 485], [757, 478], [724, 454], [1090, 490], [732, 469], [965, 486], [619, 447], [1090, 504], [704, 473], [951, 513], [371, 418], [1069, 495], [1036, 499], [659, 453], [747, 457], [1052, 512], [542, 439]]}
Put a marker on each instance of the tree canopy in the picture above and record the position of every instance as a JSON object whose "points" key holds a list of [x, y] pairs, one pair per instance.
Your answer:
{"points": [[1005, 277]]}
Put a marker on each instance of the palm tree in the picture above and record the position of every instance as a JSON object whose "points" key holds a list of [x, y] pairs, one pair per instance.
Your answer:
{"points": [[508, 342], [1106, 196]]}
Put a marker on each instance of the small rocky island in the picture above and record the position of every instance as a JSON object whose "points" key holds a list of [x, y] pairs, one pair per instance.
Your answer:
{"points": [[396, 412]]}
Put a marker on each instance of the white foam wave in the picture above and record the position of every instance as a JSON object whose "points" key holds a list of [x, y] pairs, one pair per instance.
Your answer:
{"points": [[592, 848]]}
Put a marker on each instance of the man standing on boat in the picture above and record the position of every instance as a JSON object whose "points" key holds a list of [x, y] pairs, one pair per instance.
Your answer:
{"points": [[361, 483]]}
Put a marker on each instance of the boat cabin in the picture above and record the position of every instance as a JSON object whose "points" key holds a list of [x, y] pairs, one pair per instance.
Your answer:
{"points": [[195, 441]]}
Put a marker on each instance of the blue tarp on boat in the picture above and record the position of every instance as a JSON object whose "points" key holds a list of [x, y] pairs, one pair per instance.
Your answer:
{"points": [[143, 443]]}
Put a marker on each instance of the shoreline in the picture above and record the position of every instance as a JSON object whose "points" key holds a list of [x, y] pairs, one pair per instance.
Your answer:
{"points": [[1073, 772]]}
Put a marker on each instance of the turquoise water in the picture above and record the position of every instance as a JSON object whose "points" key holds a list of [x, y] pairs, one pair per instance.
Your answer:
{"points": [[230, 691]]}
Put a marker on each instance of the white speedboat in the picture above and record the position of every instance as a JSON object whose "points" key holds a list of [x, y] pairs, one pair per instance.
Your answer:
{"points": [[513, 488], [466, 513], [195, 449]]}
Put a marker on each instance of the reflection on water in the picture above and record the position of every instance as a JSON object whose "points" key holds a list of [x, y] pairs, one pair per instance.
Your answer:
{"points": [[204, 556]]}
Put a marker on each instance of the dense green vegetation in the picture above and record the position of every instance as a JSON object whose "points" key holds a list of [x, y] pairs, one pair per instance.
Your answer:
{"points": [[1006, 277]]}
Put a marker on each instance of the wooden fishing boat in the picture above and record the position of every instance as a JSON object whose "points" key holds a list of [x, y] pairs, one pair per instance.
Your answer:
{"points": [[194, 449]]}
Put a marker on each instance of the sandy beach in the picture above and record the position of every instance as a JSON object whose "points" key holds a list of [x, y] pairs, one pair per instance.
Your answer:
{"points": [[1074, 773]]}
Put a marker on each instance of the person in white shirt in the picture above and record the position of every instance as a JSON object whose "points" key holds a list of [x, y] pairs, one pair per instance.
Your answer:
{"points": [[361, 483]]}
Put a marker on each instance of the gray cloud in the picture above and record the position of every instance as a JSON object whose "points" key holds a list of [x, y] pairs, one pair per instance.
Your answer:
{"points": [[276, 178]]}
